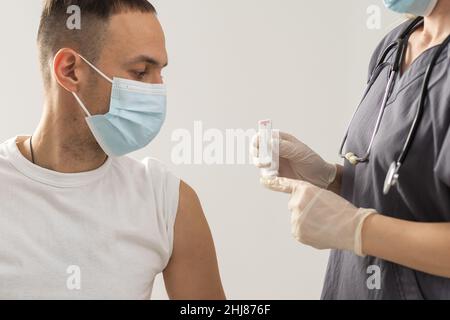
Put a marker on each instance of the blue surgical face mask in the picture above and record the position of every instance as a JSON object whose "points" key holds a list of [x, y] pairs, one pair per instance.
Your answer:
{"points": [[136, 114], [417, 7]]}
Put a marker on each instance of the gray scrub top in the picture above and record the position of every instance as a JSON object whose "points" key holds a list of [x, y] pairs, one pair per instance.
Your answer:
{"points": [[423, 191]]}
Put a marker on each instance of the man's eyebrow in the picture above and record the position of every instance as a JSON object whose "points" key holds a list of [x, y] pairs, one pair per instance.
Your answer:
{"points": [[149, 60]]}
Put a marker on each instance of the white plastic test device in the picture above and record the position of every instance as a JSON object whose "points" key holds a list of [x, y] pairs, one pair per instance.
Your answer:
{"points": [[269, 149]]}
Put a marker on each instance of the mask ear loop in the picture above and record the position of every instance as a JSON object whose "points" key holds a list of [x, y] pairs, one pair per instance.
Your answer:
{"points": [[83, 106], [96, 69]]}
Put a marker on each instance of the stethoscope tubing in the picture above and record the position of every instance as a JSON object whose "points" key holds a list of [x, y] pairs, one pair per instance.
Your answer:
{"points": [[401, 45]]}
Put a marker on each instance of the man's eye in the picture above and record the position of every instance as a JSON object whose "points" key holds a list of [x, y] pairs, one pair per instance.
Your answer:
{"points": [[140, 74]]}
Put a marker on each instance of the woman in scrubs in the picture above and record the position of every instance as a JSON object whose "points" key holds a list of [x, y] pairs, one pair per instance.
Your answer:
{"points": [[405, 235]]}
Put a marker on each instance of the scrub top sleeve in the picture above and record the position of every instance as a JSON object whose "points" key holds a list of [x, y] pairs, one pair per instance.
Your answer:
{"points": [[442, 167]]}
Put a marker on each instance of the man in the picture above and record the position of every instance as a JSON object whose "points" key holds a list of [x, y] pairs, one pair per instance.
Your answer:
{"points": [[78, 219]]}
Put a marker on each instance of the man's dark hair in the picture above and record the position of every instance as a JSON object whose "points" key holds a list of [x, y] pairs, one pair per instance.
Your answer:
{"points": [[54, 34]]}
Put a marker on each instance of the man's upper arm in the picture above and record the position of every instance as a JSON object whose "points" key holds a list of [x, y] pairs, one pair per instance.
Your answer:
{"points": [[192, 272]]}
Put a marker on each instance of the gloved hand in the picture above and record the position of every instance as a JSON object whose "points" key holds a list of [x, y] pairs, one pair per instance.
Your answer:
{"points": [[299, 162], [320, 218]]}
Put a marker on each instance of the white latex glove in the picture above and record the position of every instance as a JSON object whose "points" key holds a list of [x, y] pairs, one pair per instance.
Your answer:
{"points": [[320, 218], [299, 162]]}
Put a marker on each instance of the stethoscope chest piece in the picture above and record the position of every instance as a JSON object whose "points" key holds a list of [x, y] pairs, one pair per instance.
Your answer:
{"points": [[391, 177]]}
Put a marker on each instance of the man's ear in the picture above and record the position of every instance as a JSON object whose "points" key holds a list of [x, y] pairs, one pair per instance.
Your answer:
{"points": [[66, 69]]}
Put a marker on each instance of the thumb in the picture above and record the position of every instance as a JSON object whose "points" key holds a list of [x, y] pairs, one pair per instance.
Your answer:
{"points": [[280, 184]]}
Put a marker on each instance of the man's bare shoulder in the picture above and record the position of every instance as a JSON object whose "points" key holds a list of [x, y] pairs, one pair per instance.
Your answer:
{"points": [[193, 271]]}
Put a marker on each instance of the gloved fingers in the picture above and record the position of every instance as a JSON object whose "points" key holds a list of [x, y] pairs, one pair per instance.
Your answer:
{"points": [[293, 150], [254, 152], [288, 145], [254, 146], [286, 171], [257, 163], [287, 149], [283, 136], [254, 155], [255, 141], [288, 137], [284, 185], [304, 198]]}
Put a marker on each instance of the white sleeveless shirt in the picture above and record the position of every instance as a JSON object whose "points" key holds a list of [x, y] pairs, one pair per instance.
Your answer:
{"points": [[103, 234]]}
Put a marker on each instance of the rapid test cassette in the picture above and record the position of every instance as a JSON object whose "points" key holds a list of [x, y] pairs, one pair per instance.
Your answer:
{"points": [[269, 145]]}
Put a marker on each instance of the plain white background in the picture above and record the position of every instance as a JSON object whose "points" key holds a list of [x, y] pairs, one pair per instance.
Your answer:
{"points": [[233, 62]]}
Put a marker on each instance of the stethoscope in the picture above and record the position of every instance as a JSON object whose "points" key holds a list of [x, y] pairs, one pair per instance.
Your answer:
{"points": [[401, 44]]}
